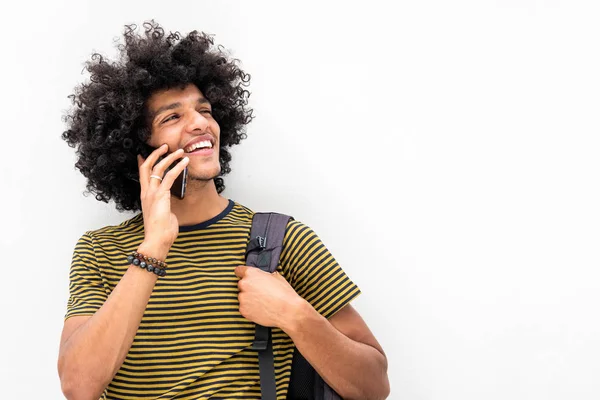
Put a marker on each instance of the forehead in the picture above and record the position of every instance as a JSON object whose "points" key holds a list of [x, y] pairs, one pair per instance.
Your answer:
{"points": [[185, 94]]}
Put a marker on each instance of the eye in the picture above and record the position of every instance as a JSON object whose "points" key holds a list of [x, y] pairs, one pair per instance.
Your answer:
{"points": [[169, 118], [206, 111]]}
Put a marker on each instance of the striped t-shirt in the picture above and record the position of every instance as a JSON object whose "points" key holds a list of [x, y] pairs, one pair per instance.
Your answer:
{"points": [[192, 342]]}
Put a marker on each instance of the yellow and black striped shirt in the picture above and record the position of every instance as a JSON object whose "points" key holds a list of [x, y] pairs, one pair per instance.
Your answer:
{"points": [[192, 342]]}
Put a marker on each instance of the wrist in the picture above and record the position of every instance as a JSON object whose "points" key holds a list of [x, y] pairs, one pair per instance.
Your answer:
{"points": [[154, 250], [299, 316]]}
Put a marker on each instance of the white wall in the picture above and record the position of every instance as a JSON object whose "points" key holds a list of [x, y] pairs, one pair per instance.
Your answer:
{"points": [[445, 151]]}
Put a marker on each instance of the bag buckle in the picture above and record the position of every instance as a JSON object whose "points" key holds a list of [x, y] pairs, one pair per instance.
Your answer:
{"points": [[262, 242]]}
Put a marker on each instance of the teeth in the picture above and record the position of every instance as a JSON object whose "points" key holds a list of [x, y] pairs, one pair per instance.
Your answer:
{"points": [[203, 144]]}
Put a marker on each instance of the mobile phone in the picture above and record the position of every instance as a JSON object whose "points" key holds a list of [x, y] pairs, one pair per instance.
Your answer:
{"points": [[180, 183]]}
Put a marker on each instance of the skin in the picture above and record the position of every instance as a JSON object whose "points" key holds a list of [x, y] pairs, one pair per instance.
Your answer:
{"points": [[342, 349]]}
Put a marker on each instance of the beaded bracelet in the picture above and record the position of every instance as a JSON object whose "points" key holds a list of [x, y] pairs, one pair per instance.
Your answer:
{"points": [[146, 262]]}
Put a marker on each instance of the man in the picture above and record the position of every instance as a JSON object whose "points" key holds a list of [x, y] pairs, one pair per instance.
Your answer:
{"points": [[185, 331]]}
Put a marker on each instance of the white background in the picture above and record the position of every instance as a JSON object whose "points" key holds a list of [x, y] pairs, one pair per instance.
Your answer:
{"points": [[447, 152]]}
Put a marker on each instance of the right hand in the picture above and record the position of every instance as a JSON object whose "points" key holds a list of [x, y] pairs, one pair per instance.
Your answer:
{"points": [[160, 224]]}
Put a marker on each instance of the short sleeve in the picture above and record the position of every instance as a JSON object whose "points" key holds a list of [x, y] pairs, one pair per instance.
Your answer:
{"points": [[313, 271], [87, 292]]}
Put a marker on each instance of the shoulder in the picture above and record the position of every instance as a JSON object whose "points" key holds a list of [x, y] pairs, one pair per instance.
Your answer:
{"points": [[239, 214], [131, 227], [298, 230], [244, 214], [294, 229], [300, 240]]}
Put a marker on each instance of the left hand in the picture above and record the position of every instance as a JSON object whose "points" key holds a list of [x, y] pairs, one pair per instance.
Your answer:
{"points": [[266, 299]]}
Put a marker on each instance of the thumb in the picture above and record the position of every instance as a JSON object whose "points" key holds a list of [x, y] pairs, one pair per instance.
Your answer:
{"points": [[240, 271]]}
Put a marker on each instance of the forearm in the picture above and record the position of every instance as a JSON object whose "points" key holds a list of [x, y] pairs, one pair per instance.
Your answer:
{"points": [[354, 370], [94, 352]]}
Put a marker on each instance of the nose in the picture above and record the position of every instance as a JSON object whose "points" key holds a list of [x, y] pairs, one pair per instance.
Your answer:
{"points": [[196, 122]]}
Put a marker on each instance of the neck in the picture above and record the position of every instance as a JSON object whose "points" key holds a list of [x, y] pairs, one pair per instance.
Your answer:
{"points": [[201, 203]]}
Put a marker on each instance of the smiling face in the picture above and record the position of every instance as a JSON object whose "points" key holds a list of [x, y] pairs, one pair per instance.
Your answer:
{"points": [[182, 118]]}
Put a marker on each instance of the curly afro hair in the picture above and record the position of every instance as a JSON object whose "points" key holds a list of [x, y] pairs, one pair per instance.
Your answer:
{"points": [[108, 122]]}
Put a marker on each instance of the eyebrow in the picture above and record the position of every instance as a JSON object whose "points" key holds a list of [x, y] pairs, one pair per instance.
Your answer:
{"points": [[173, 106]]}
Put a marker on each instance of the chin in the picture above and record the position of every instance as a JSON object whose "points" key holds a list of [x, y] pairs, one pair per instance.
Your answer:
{"points": [[204, 174]]}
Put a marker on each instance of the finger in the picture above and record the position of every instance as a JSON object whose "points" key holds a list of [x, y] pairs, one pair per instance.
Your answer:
{"points": [[160, 168], [240, 271], [140, 161], [241, 302], [174, 173], [146, 167]]}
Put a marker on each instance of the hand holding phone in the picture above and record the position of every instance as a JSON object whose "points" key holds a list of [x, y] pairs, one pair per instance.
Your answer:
{"points": [[161, 226], [179, 185]]}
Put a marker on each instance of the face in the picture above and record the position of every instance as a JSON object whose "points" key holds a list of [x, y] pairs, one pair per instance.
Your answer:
{"points": [[182, 118]]}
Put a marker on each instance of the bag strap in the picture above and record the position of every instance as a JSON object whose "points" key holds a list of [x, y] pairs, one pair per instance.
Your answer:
{"points": [[263, 251]]}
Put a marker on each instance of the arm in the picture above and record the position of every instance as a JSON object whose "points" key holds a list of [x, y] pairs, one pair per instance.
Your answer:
{"points": [[93, 348], [342, 350]]}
